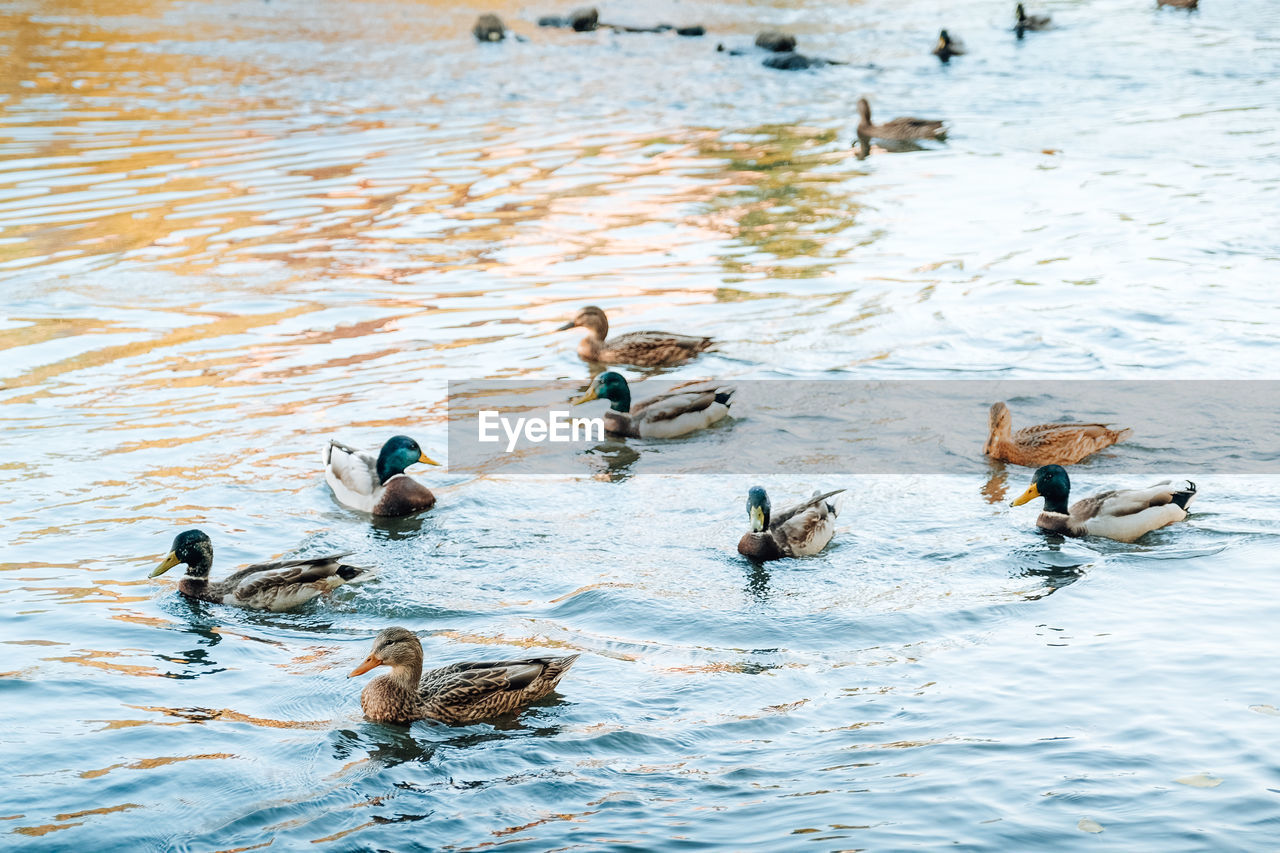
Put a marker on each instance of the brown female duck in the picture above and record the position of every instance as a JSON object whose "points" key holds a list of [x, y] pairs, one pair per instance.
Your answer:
{"points": [[904, 129], [1045, 444], [278, 586], [644, 349], [457, 694]]}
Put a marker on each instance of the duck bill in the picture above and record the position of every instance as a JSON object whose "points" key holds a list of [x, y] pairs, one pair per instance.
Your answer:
{"points": [[588, 397], [426, 460], [369, 663], [169, 562], [566, 327], [757, 519], [1030, 494]]}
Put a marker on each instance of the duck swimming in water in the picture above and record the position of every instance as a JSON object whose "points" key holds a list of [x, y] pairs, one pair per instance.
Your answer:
{"points": [[1045, 444], [799, 531], [457, 694], [1124, 515], [643, 349], [278, 586], [378, 484]]}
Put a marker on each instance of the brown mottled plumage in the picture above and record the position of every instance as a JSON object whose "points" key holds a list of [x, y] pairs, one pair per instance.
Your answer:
{"points": [[645, 349], [1180, 4], [1045, 444], [904, 129], [457, 694], [799, 531], [278, 586], [685, 408]]}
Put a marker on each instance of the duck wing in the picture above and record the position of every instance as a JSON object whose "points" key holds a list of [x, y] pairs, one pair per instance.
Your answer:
{"points": [[285, 584], [908, 127], [652, 349], [1068, 443], [817, 500], [474, 690]]}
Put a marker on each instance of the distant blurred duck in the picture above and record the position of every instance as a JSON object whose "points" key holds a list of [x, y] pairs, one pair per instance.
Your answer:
{"points": [[798, 531], [948, 47], [1179, 4], [1027, 22], [644, 349], [899, 129], [457, 694], [378, 484], [278, 586], [685, 409], [1045, 444], [1123, 515]]}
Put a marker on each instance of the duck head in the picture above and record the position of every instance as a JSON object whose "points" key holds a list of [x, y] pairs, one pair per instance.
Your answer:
{"points": [[758, 509], [592, 319], [1051, 483], [398, 648], [192, 547], [612, 387], [397, 454]]}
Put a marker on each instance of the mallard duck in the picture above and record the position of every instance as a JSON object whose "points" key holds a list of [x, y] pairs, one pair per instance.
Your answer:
{"points": [[489, 28], [1124, 515], [1045, 444], [948, 47], [1179, 4], [1027, 22], [378, 485], [644, 349], [798, 531], [776, 41], [681, 411], [456, 694], [278, 586], [899, 129]]}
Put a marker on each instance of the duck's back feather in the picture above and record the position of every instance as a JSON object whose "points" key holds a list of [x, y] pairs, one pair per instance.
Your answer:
{"points": [[475, 690], [353, 476], [1123, 515]]}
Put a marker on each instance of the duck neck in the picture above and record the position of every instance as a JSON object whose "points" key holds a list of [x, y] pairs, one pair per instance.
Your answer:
{"points": [[406, 675]]}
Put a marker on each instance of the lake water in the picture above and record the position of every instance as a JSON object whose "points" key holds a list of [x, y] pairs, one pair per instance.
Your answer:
{"points": [[231, 230]]}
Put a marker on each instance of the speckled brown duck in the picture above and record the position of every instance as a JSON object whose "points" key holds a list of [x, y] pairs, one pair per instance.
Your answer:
{"points": [[1045, 444], [643, 349], [905, 129], [457, 694], [278, 586]]}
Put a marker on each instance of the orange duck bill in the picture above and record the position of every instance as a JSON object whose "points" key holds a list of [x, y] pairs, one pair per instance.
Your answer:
{"points": [[369, 663]]}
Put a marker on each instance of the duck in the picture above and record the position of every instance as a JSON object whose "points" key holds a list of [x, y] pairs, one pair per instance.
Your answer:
{"points": [[489, 28], [457, 694], [1125, 515], [1045, 444], [799, 531], [642, 349], [278, 586], [948, 47], [685, 409], [1027, 22], [378, 484], [1179, 4], [905, 129]]}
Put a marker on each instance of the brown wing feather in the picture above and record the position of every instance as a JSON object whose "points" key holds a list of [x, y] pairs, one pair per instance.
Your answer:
{"points": [[287, 573], [652, 349], [1061, 444], [463, 692]]}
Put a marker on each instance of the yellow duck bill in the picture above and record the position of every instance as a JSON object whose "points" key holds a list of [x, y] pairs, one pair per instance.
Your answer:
{"points": [[427, 460], [1030, 494], [169, 562], [587, 397]]}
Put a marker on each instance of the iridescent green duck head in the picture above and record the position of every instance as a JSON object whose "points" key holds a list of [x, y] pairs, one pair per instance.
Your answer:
{"points": [[758, 509], [612, 387], [397, 454], [1051, 483]]}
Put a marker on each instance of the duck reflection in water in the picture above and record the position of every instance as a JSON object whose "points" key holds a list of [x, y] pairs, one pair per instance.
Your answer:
{"points": [[612, 461]]}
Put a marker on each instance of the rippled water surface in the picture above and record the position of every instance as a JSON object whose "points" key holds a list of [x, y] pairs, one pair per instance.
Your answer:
{"points": [[230, 230]]}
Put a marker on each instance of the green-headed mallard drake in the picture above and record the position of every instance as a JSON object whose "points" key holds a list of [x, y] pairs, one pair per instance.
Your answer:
{"points": [[1025, 22], [378, 484], [799, 531], [947, 47], [643, 349], [904, 129], [1124, 515], [457, 694], [278, 586], [681, 411], [1045, 444]]}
